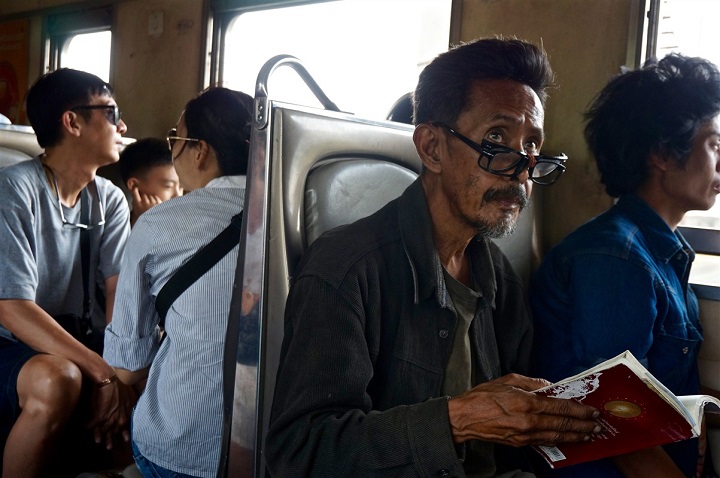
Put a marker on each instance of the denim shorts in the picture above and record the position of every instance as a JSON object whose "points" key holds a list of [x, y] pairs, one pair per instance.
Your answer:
{"points": [[148, 469], [13, 355]]}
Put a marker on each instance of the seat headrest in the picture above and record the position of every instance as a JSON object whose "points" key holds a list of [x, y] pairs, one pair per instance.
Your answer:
{"points": [[343, 191], [10, 156]]}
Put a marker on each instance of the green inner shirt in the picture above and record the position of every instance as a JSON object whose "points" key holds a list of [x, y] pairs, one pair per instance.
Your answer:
{"points": [[458, 373]]}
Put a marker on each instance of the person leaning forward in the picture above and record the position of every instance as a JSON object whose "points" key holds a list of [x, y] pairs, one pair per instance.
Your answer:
{"points": [[45, 203], [407, 332]]}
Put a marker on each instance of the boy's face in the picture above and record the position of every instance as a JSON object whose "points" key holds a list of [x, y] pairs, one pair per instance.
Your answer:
{"points": [[160, 181]]}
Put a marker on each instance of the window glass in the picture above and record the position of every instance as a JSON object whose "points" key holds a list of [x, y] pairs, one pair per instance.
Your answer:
{"points": [[364, 54], [89, 52], [690, 27]]}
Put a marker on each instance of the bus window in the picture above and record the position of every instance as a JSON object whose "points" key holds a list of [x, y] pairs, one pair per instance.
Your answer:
{"points": [[365, 54], [689, 27], [88, 52]]}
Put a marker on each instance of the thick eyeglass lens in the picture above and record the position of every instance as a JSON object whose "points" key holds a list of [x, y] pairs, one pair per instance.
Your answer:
{"points": [[112, 112], [501, 162], [543, 168], [113, 115], [546, 172]]}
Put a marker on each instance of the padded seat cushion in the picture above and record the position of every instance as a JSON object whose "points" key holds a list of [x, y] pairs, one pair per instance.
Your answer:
{"points": [[343, 191], [10, 156]]}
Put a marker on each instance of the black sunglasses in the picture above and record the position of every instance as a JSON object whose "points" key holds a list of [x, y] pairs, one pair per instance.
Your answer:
{"points": [[112, 112], [503, 161]]}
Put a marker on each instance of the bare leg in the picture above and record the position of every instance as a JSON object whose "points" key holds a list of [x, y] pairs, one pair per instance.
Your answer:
{"points": [[48, 389]]}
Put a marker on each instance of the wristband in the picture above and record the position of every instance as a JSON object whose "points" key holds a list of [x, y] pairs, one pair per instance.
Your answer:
{"points": [[107, 381]]}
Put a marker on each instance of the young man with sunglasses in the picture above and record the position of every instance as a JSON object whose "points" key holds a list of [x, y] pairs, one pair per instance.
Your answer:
{"points": [[64, 231], [406, 331]]}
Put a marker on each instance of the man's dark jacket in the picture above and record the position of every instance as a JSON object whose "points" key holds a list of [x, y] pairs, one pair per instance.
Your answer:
{"points": [[369, 328]]}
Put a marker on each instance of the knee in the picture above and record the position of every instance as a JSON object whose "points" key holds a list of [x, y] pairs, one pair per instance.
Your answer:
{"points": [[49, 385]]}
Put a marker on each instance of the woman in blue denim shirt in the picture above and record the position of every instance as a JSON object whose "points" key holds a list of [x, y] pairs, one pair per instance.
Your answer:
{"points": [[621, 280]]}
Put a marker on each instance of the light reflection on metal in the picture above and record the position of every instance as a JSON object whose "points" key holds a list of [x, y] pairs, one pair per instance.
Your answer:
{"points": [[242, 378]]}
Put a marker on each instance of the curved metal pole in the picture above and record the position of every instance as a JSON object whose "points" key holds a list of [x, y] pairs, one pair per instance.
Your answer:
{"points": [[261, 88]]}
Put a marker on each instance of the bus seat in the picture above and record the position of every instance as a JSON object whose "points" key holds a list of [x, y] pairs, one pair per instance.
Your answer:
{"points": [[19, 137], [709, 357], [709, 364], [9, 156], [342, 192], [310, 170], [17, 143]]}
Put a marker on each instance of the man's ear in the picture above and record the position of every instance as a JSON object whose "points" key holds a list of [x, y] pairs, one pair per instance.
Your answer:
{"points": [[132, 183], [428, 142], [659, 161], [70, 122]]}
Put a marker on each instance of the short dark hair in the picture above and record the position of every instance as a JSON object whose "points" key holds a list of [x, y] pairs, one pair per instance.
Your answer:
{"points": [[656, 109], [55, 93], [444, 85], [223, 118], [141, 156], [402, 110]]}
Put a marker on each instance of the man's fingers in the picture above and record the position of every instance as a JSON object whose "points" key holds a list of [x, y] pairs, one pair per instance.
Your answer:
{"points": [[529, 384], [505, 411], [568, 408], [136, 195], [547, 438]]}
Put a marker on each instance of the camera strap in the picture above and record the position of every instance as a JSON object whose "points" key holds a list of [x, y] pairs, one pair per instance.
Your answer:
{"points": [[86, 321], [197, 266]]}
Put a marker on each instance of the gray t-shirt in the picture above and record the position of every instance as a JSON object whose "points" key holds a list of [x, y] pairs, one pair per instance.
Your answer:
{"points": [[40, 257]]}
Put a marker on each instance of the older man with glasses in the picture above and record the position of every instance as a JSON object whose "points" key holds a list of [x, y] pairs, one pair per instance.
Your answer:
{"points": [[63, 235], [406, 332]]}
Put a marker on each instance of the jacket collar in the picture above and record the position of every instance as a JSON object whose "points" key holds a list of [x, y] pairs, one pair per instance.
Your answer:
{"points": [[663, 241], [417, 239]]}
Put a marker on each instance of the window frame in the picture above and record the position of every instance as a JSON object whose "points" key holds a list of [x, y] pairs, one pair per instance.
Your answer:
{"points": [[222, 13], [59, 28]]}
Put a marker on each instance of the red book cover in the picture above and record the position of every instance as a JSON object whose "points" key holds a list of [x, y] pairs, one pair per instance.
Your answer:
{"points": [[636, 411]]}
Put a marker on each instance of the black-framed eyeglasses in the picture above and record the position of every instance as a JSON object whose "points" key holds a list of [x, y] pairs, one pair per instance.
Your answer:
{"points": [[112, 112], [503, 161], [98, 201], [173, 138]]}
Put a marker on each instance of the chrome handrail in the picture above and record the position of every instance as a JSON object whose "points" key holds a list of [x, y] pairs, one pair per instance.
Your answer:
{"points": [[261, 86]]}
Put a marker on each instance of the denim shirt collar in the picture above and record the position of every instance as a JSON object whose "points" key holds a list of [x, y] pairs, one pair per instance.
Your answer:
{"points": [[417, 239], [663, 241]]}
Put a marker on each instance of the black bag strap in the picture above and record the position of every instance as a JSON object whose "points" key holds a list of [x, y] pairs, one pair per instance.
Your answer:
{"points": [[197, 266], [85, 260]]}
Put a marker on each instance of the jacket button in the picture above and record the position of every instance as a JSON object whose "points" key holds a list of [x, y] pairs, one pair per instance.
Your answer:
{"points": [[445, 473], [685, 350], [444, 335]]}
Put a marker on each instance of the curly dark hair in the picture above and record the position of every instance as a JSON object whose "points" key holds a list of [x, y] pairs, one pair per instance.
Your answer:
{"points": [[656, 109]]}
